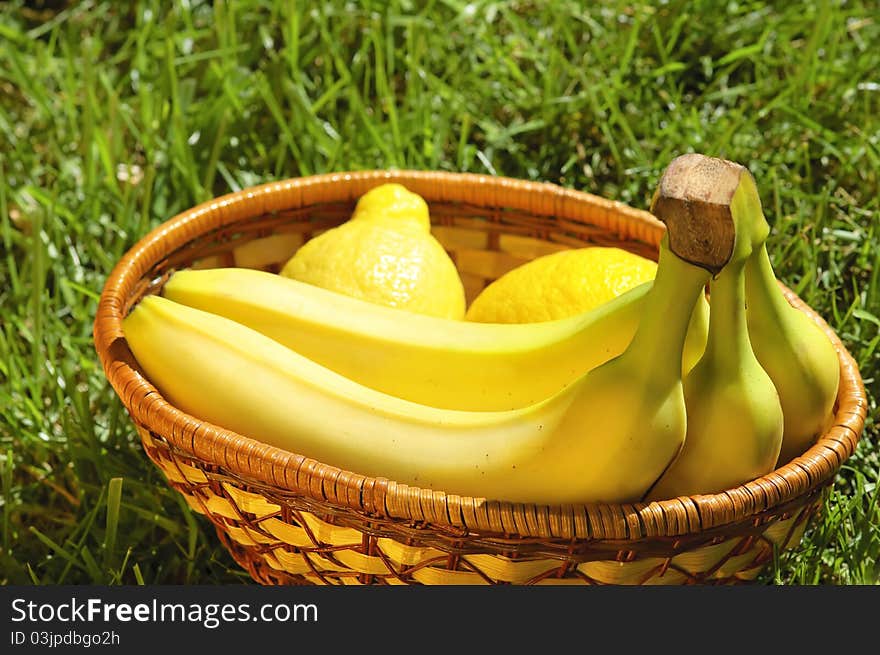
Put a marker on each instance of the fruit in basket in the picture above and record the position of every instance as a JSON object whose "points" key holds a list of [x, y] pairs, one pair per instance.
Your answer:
{"points": [[605, 437], [734, 417], [799, 358], [624, 417], [385, 253], [434, 361], [560, 284]]}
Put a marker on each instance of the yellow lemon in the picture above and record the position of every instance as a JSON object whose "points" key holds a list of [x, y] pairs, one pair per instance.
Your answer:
{"points": [[385, 253], [560, 284]]}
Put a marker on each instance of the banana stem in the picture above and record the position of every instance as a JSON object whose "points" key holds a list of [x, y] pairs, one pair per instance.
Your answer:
{"points": [[728, 345], [657, 345], [762, 288]]}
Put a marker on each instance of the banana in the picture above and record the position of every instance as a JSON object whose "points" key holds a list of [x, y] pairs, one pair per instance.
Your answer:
{"points": [[734, 416], [799, 358], [605, 437], [425, 359]]}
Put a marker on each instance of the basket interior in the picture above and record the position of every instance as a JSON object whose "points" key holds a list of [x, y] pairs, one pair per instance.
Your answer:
{"points": [[484, 242]]}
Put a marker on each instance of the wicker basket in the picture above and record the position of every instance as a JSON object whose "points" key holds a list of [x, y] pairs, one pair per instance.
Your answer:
{"points": [[288, 519]]}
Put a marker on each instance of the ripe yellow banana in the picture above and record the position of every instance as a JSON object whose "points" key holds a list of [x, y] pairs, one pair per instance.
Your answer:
{"points": [[797, 355], [429, 360], [735, 420], [605, 437]]}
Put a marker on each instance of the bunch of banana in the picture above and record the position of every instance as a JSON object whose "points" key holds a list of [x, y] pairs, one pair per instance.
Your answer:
{"points": [[429, 360], [605, 437], [765, 386], [734, 429]]}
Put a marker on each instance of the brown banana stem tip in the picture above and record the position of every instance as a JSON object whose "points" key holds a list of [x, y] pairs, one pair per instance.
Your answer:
{"points": [[693, 200]]}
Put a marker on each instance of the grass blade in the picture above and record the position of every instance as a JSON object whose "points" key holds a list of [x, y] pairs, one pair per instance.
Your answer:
{"points": [[114, 496]]}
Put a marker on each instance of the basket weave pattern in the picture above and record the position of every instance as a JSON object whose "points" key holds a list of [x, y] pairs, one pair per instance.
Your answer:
{"points": [[288, 519]]}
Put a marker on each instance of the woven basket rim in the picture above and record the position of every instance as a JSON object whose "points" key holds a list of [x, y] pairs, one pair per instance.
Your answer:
{"points": [[290, 473]]}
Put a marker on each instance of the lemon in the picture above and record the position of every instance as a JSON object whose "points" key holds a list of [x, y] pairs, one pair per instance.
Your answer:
{"points": [[560, 284], [385, 253]]}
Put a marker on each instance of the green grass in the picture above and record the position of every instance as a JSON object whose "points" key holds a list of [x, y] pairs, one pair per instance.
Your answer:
{"points": [[114, 117]]}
